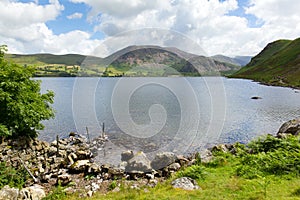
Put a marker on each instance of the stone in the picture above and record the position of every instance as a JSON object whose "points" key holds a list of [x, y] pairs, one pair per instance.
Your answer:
{"points": [[80, 165], [220, 148], [95, 187], [139, 164], [126, 155], [35, 192], [90, 193], [64, 179], [206, 156], [8, 193], [290, 127], [162, 160], [116, 172], [84, 154], [94, 168], [174, 167], [185, 183]]}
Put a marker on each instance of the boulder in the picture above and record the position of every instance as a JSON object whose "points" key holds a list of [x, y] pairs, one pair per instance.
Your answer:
{"points": [[35, 192], [162, 160], [185, 183], [290, 127], [138, 164], [7, 193]]}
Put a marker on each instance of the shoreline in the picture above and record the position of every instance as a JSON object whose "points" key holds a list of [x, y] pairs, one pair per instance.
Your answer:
{"points": [[70, 162]]}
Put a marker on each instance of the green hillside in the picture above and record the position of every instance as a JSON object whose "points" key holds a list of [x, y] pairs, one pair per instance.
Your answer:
{"points": [[277, 64], [130, 61]]}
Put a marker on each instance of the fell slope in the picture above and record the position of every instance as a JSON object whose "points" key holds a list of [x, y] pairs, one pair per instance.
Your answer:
{"points": [[277, 64]]}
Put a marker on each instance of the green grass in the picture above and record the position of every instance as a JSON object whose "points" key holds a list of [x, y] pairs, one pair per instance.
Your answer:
{"points": [[222, 178]]}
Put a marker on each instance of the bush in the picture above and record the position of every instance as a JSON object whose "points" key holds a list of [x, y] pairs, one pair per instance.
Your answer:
{"points": [[271, 156], [22, 106], [12, 177], [195, 172]]}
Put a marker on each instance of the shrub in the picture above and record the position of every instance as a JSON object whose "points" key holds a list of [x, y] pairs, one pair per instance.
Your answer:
{"points": [[195, 172], [22, 106], [271, 156], [12, 177]]}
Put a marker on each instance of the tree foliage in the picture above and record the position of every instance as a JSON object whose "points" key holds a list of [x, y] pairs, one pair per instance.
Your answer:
{"points": [[22, 106]]}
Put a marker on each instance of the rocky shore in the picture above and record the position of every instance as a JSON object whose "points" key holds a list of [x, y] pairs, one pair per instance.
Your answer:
{"points": [[70, 162]]}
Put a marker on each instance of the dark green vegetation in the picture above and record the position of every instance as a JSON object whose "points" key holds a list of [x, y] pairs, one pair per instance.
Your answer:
{"points": [[277, 64], [266, 168], [22, 106], [130, 61]]}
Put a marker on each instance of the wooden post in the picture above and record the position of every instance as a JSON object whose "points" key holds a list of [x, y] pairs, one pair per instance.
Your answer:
{"points": [[57, 144], [88, 135], [103, 128]]}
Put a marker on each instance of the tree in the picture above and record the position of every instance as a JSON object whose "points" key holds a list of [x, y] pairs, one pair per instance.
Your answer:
{"points": [[22, 106]]}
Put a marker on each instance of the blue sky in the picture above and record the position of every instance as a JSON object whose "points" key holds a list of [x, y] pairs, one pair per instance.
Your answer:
{"points": [[229, 27]]}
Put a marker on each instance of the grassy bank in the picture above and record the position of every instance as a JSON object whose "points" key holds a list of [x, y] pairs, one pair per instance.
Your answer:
{"points": [[267, 168]]}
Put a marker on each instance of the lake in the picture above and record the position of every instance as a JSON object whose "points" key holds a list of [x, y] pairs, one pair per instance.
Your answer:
{"points": [[179, 114]]}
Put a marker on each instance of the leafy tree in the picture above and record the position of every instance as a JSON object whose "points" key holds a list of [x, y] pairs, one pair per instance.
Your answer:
{"points": [[22, 106]]}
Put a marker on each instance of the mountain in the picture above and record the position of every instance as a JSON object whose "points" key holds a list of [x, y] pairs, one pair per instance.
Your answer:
{"points": [[277, 64], [144, 60], [163, 61], [238, 60]]}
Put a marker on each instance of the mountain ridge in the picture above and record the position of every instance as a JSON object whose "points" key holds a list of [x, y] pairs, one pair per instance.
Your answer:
{"points": [[183, 62]]}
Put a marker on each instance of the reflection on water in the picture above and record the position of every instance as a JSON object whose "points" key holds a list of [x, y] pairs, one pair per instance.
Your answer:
{"points": [[183, 112]]}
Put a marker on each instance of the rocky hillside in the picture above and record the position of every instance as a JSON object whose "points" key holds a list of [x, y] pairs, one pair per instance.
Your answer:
{"points": [[160, 61], [277, 64]]}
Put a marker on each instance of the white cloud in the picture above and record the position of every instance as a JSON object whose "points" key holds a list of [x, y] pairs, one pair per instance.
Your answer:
{"points": [[23, 28], [75, 16], [206, 22], [119, 8]]}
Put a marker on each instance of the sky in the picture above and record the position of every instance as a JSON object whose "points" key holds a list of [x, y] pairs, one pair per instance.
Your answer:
{"points": [[101, 27]]}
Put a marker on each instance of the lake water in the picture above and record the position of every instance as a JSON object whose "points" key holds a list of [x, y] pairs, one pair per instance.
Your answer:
{"points": [[168, 114]]}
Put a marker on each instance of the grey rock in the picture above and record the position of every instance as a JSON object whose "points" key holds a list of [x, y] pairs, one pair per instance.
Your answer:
{"points": [[290, 127], [126, 155], [138, 164], [80, 165], [174, 167], [185, 183], [94, 168], [162, 160], [7, 193], [64, 179], [35, 192]]}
